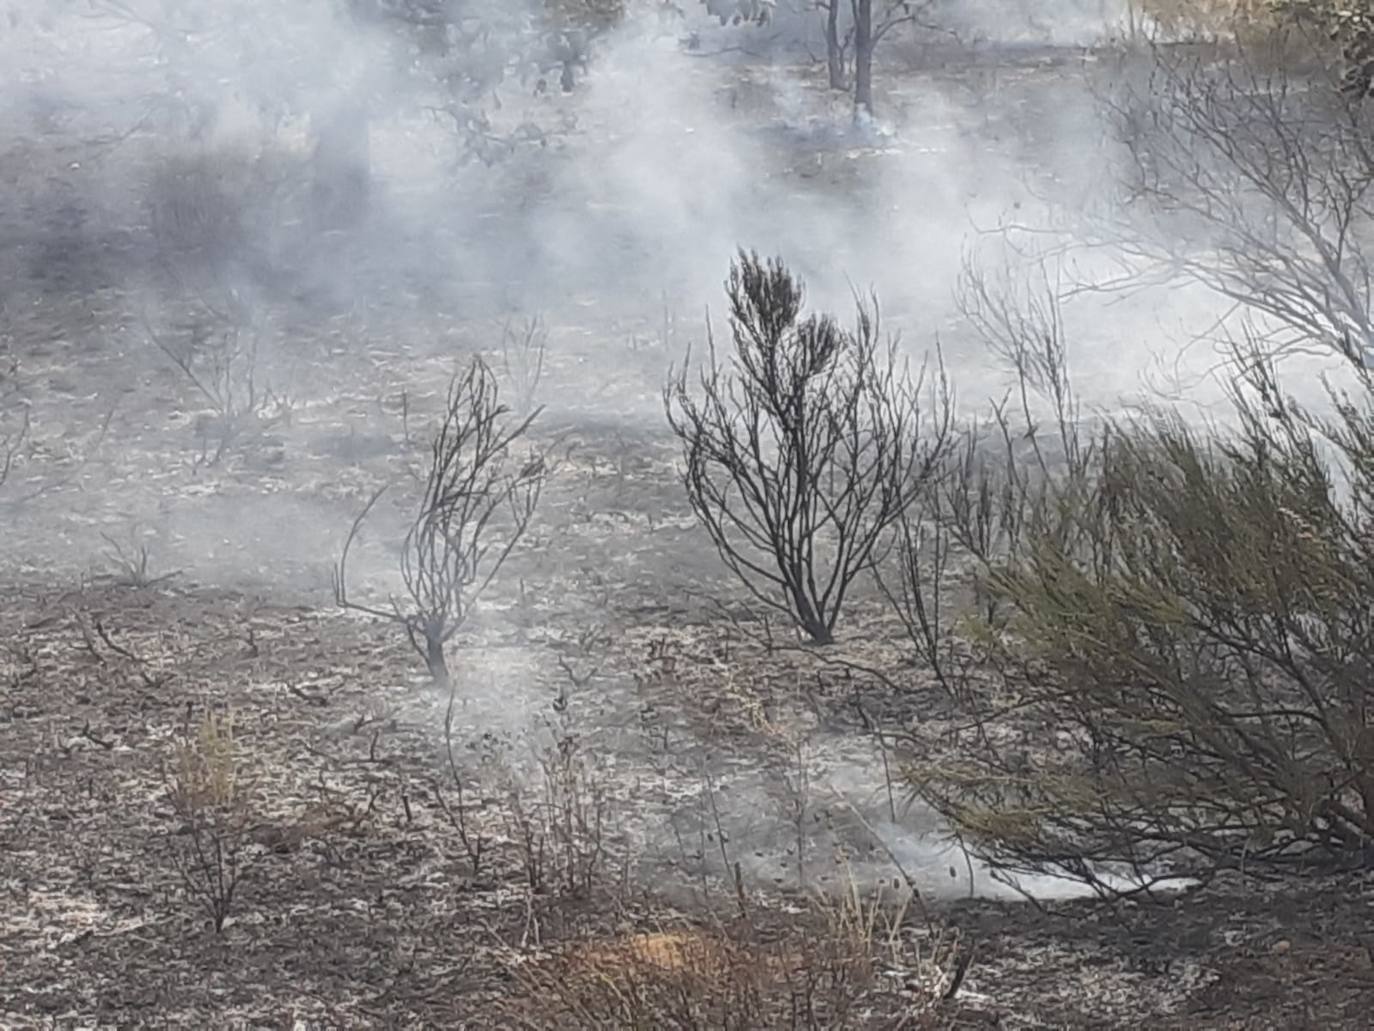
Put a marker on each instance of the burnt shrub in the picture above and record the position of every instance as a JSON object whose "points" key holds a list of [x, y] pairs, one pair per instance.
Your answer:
{"points": [[802, 449]]}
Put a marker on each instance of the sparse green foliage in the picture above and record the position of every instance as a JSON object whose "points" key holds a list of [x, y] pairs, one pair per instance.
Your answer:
{"points": [[1176, 617], [1186, 613], [803, 451]]}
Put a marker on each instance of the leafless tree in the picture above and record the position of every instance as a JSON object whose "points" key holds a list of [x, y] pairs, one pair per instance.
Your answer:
{"points": [[868, 24], [1251, 173], [871, 27], [836, 43], [476, 505], [802, 453]]}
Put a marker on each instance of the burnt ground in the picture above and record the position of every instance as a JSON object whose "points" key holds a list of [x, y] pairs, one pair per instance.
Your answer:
{"points": [[633, 758]]}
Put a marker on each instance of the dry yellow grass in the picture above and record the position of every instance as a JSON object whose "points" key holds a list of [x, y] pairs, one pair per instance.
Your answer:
{"points": [[1248, 20], [847, 955], [667, 951], [1207, 17], [698, 961]]}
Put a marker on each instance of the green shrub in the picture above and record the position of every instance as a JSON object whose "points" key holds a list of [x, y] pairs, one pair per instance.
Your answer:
{"points": [[1185, 621]]}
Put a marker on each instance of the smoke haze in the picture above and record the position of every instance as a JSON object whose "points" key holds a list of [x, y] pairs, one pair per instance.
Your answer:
{"points": [[154, 174]]}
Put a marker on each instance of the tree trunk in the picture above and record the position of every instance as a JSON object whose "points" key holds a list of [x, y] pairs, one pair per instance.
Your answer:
{"points": [[833, 55], [863, 58], [809, 616], [435, 661]]}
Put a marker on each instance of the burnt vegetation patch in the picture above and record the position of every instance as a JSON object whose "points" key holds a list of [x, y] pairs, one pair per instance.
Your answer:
{"points": [[413, 614]]}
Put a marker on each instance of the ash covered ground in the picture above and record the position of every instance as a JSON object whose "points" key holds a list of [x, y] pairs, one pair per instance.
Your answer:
{"points": [[630, 754]]}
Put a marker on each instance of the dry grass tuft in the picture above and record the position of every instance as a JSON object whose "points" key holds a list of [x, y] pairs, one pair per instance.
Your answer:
{"points": [[846, 962]]}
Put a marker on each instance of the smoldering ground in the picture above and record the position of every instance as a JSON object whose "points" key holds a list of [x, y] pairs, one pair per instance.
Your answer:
{"points": [[156, 187], [195, 173]]}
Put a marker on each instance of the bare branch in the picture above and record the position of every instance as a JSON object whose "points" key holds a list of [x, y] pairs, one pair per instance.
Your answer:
{"points": [[801, 454], [475, 506]]}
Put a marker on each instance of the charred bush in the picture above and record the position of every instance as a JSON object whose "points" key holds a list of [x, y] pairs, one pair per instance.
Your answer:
{"points": [[524, 349], [475, 506], [802, 452], [220, 355], [562, 827]]}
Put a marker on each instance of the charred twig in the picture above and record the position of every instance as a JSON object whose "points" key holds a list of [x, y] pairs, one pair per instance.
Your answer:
{"points": [[471, 839], [305, 696], [118, 649], [524, 349], [134, 564], [962, 960], [95, 739]]}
